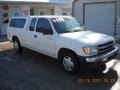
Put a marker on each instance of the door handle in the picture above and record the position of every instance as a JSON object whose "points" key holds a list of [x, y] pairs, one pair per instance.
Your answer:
{"points": [[49, 38], [35, 36]]}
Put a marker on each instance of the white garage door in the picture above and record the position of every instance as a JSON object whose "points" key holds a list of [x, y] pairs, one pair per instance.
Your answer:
{"points": [[100, 17]]}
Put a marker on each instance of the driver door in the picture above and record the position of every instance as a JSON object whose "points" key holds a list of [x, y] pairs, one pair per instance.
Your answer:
{"points": [[44, 37]]}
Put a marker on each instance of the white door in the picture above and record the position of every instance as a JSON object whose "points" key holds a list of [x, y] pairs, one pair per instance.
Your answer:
{"points": [[44, 37], [100, 17], [30, 38]]}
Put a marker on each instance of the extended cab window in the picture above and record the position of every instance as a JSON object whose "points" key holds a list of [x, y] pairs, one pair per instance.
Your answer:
{"points": [[19, 23], [43, 26], [32, 24]]}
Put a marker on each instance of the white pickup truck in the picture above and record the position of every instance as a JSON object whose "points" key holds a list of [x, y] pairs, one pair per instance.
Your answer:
{"points": [[61, 37]]}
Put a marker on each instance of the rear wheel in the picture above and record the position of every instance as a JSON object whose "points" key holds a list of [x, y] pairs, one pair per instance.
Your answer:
{"points": [[17, 46], [69, 62]]}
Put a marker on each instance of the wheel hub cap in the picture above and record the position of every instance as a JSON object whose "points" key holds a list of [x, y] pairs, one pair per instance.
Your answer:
{"points": [[16, 45], [68, 63]]}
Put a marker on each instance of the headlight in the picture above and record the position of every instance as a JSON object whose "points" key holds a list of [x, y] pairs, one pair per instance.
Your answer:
{"points": [[90, 50]]}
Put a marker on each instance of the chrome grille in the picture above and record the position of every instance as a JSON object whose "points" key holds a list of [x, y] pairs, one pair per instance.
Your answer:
{"points": [[106, 46]]}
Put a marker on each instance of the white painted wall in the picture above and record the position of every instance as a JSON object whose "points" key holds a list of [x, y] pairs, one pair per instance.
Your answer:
{"points": [[67, 8], [58, 10], [25, 10], [46, 8]]}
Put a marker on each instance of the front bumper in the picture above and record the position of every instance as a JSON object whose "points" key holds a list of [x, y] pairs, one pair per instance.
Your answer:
{"points": [[104, 56], [98, 60]]}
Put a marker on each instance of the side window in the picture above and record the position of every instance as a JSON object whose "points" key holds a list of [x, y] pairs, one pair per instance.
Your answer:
{"points": [[12, 23], [43, 26], [19, 23], [32, 24]]}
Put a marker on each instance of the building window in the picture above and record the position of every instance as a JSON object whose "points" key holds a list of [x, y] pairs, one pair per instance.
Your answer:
{"points": [[52, 11], [64, 13], [31, 11]]}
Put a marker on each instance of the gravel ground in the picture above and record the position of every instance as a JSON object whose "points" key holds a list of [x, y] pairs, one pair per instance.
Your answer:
{"points": [[34, 71]]}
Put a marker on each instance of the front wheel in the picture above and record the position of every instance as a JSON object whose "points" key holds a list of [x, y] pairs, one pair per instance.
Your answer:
{"points": [[69, 62], [102, 67]]}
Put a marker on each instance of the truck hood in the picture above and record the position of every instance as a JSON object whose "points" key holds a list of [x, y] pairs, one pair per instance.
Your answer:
{"points": [[87, 37]]}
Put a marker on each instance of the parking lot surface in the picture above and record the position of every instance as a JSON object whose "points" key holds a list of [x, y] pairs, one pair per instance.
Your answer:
{"points": [[34, 71]]}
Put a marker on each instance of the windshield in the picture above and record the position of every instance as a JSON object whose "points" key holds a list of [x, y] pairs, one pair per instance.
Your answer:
{"points": [[66, 25]]}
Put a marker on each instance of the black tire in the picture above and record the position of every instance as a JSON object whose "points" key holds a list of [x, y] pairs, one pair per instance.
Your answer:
{"points": [[17, 48], [75, 62], [101, 68]]}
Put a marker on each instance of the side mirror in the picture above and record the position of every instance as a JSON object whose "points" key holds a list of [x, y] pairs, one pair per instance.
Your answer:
{"points": [[83, 26]]}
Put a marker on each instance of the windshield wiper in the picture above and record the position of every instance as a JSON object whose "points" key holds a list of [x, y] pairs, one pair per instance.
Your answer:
{"points": [[80, 29], [77, 30], [74, 30]]}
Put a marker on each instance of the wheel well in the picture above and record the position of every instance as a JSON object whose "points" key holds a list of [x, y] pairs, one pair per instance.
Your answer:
{"points": [[63, 50], [14, 37]]}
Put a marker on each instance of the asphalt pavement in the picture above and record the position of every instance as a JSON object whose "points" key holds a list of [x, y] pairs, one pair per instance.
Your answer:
{"points": [[34, 71]]}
